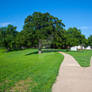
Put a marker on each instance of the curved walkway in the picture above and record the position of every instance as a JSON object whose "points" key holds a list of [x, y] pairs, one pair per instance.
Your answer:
{"points": [[72, 77]]}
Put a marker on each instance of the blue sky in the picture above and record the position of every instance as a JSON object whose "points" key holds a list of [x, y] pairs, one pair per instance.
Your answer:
{"points": [[74, 13]]}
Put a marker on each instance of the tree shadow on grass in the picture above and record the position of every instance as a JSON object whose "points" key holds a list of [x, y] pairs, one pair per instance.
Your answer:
{"points": [[46, 51], [31, 53]]}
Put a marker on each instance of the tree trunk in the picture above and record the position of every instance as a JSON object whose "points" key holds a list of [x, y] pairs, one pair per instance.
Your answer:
{"points": [[40, 47], [39, 52]]}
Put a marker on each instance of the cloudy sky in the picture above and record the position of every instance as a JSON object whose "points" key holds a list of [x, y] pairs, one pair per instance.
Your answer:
{"points": [[74, 13]]}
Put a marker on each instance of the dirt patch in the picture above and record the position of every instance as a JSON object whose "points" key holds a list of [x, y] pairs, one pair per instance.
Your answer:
{"points": [[5, 85], [22, 86]]}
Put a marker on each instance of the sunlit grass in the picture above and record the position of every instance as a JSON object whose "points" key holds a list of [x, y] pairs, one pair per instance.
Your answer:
{"points": [[17, 67], [83, 57]]}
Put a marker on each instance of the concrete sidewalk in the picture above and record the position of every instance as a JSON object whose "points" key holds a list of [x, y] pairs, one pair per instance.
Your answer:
{"points": [[72, 77]]}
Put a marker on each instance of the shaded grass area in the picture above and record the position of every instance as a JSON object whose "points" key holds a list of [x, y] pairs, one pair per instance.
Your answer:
{"points": [[21, 71], [43, 51], [83, 57]]}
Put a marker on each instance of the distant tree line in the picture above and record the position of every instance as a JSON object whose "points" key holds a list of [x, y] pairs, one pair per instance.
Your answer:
{"points": [[42, 30]]}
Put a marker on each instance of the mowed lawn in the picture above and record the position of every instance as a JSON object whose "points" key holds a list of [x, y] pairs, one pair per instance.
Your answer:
{"points": [[82, 57], [21, 71]]}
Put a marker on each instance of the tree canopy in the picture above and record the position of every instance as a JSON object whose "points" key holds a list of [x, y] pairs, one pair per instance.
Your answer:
{"points": [[74, 37], [42, 30], [39, 27], [90, 41], [7, 37]]}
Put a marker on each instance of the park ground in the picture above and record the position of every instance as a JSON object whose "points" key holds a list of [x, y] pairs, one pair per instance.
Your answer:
{"points": [[26, 70]]}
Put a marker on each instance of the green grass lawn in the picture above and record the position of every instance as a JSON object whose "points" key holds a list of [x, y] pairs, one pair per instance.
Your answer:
{"points": [[26, 72], [82, 57]]}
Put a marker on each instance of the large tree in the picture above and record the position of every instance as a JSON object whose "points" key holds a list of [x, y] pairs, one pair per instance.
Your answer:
{"points": [[41, 26]]}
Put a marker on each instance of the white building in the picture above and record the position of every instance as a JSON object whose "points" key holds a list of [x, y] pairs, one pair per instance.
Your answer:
{"points": [[75, 48], [79, 47], [88, 48]]}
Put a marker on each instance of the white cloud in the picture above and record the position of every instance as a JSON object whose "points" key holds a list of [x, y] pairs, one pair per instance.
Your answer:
{"points": [[4, 24], [85, 28]]}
